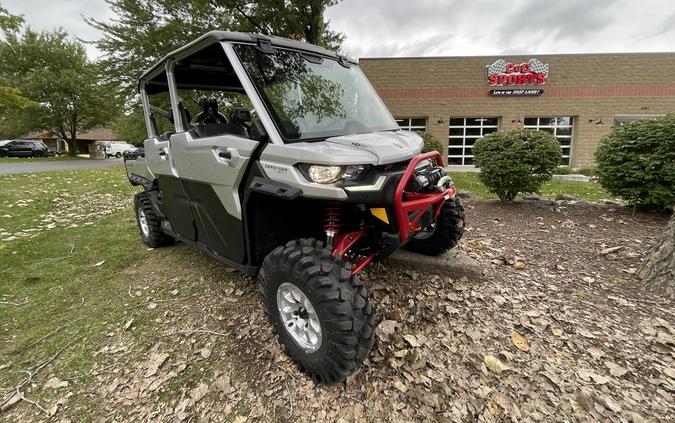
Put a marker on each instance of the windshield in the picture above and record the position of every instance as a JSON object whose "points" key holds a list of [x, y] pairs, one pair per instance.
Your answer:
{"points": [[310, 97]]}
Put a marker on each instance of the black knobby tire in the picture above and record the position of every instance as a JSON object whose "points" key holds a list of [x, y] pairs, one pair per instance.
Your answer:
{"points": [[118, 155], [446, 233], [339, 298], [154, 237]]}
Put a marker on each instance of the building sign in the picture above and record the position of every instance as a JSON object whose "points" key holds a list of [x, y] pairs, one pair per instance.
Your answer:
{"points": [[502, 73], [516, 92]]}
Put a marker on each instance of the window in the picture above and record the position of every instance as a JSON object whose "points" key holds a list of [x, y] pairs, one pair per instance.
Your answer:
{"points": [[412, 124], [560, 127], [314, 97], [463, 133]]}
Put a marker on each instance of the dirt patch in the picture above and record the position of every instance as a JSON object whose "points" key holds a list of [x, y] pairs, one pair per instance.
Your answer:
{"points": [[556, 329]]}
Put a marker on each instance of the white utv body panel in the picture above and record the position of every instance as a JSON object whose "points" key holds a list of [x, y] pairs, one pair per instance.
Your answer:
{"points": [[200, 160], [280, 162]]}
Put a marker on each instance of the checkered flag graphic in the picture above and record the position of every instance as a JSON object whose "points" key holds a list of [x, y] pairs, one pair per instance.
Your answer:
{"points": [[537, 67], [499, 66]]}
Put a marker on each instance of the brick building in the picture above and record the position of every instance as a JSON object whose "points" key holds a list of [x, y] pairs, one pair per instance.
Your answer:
{"points": [[577, 97]]}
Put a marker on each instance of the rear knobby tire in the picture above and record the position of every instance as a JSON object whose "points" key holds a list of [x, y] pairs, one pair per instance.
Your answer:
{"points": [[152, 233], [338, 298], [446, 233]]}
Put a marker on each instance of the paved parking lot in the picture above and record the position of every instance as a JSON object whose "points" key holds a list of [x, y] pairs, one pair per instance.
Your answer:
{"points": [[56, 165]]}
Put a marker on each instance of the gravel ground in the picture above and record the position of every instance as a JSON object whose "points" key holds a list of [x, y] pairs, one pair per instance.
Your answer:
{"points": [[557, 329]]}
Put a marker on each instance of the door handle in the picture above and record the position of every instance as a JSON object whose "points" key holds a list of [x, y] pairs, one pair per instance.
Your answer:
{"points": [[225, 155], [162, 152]]}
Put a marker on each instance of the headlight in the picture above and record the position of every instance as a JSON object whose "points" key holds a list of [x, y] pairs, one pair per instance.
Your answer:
{"points": [[323, 174]]}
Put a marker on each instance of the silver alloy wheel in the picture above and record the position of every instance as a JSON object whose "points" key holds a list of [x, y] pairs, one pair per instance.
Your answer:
{"points": [[299, 317], [143, 222]]}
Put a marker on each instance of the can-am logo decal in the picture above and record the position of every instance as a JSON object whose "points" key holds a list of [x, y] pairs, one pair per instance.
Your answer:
{"points": [[501, 73]]}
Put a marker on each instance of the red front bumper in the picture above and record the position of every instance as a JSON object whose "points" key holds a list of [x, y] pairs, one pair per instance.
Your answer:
{"points": [[407, 203]]}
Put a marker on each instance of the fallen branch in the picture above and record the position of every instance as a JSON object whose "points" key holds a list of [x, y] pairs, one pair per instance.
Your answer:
{"points": [[8, 402], [23, 398], [46, 336], [290, 399]]}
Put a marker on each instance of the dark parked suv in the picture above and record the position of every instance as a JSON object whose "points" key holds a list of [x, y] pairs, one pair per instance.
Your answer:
{"points": [[24, 148]]}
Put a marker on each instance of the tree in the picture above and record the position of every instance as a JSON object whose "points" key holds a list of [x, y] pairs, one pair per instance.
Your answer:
{"points": [[52, 72], [298, 19], [658, 269], [145, 31], [9, 22]]}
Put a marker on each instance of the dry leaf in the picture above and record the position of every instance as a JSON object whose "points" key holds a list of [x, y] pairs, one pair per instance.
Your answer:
{"points": [[52, 410], [127, 325], [55, 383], [412, 340], [205, 352], [400, 386], [520, 265], [520, 341], [154, 363], [198, 393], [152, 306], [494, 364], [595, 352], [100, 263], [670, 372], [223, 384], [615, 369]]}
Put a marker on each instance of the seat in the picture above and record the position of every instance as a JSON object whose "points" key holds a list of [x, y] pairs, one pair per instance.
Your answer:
{"points": [[184, 114], [238, 121]]}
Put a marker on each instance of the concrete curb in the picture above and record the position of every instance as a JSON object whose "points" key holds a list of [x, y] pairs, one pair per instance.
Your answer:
{"points": [[455, 263]]}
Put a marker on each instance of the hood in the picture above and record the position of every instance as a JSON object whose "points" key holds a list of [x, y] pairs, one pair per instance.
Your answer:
{"points": [[388, 147]]}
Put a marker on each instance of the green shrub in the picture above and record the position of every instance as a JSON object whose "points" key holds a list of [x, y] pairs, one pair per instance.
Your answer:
{"points": [[566, 170], [587, 171], [516, 161], [431, 143], [636, 161]]}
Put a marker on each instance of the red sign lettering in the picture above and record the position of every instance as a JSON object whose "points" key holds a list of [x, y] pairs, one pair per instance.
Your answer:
{"points": [[533, 72]]}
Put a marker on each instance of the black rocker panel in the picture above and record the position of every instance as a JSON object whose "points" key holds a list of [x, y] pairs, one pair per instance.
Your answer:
{"points": [[175, 205], [216, 228]]}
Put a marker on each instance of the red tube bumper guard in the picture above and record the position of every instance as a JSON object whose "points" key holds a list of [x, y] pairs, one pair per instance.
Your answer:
{"points": [[405, 205]]}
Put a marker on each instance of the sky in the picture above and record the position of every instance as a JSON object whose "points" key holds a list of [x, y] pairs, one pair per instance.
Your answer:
{"points": [[381, 28]]}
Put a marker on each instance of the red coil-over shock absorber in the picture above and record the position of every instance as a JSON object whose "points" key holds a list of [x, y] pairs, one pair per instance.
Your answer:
{"points": [[331, 224]]}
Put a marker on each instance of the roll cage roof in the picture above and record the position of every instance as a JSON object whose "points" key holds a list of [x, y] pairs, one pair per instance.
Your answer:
{"points": [[201, 63]]}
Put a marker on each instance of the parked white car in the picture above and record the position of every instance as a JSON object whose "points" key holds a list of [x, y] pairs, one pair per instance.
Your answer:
{"points": [[118, 148]]}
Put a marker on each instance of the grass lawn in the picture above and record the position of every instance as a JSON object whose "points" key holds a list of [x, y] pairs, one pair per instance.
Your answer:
{"points": [[66, 241], [41, 159], [591, 191]]}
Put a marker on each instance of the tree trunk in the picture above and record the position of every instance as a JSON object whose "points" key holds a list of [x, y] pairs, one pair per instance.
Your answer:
{"points": [[72, 146], [658, 269]]}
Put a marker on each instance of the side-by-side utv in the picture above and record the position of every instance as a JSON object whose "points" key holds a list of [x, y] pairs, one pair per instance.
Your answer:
{"points": [[278, 158]]}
